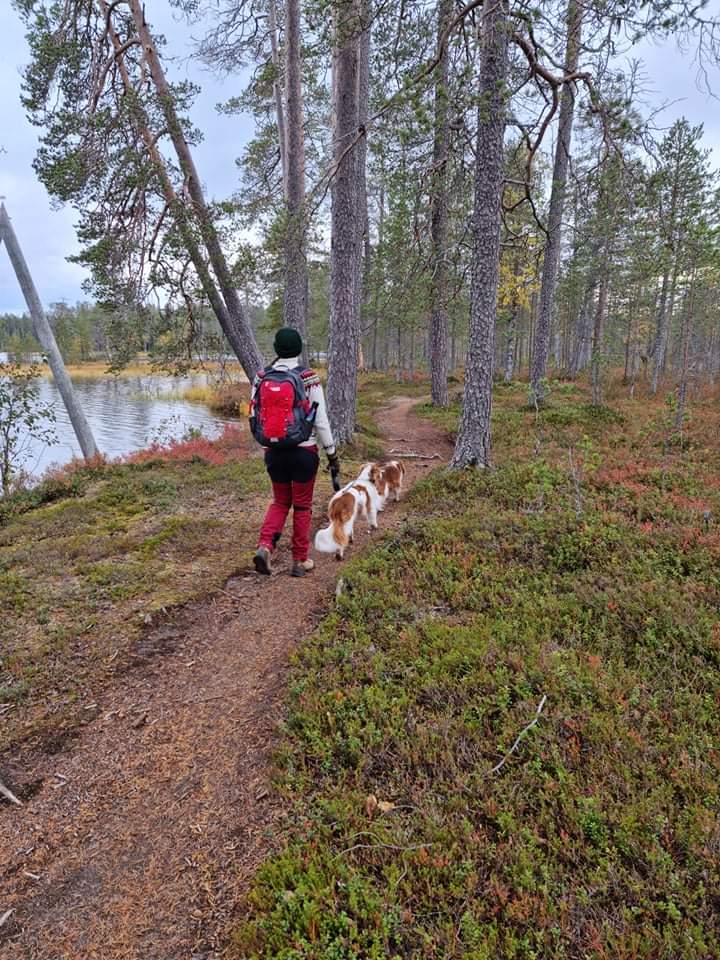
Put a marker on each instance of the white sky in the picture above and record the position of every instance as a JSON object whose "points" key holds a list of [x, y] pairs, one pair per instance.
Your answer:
{"points": [[47, 236]]}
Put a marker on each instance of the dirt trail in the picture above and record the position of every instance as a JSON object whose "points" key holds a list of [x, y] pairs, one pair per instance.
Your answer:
{"points": [[138, 838]]}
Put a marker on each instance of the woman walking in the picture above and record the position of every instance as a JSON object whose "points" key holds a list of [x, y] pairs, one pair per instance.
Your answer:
{"points": [[288, 416]]}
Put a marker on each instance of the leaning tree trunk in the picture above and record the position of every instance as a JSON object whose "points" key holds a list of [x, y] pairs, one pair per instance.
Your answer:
{"points": [[243, 339], [473, 442], [179, 210], [296, 272], [551, 261], [344, 230], [43, 332], [439, 218]]}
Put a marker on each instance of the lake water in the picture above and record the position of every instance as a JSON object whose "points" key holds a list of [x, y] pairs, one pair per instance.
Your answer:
{"points": [[125, 414]]}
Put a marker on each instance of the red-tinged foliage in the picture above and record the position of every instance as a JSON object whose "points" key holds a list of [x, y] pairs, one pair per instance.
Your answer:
{"points": [[59, 473], [231, 445]]}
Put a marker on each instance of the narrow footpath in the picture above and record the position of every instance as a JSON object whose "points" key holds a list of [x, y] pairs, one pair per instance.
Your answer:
{"points": [[141, 835]]}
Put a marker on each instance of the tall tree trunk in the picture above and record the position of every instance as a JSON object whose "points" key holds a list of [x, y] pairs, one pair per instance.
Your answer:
{"points": [[687, 338], [551, 261], [277, 88], [453, 347], [510, 346], [597, 340], [662, 336], [439, 218], [663, 320], [378, 279], [296, 272], [583, 330], [344, 229], [363, 223], [657, 349], [243, 339], [473, 446], [43, 332]]}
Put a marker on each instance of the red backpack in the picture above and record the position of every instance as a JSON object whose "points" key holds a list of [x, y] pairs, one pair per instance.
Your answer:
{"points": [[281, 414]]}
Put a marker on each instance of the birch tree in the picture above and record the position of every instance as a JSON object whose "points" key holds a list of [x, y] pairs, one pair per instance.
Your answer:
{"points": [[46, 338]]}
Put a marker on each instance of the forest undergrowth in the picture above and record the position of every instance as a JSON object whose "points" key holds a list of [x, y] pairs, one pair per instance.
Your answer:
{"points": [[502, 742], [97, 555]]}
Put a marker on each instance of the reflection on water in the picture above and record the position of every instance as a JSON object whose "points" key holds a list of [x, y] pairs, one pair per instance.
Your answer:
{"points": [[125, 414]]}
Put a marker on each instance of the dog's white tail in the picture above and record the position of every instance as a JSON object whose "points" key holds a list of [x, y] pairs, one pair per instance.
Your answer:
{"points": [[325, 540]]}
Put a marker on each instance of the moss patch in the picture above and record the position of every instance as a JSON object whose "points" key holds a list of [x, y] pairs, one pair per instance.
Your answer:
{"points": [[583, 571], [83, 575]]}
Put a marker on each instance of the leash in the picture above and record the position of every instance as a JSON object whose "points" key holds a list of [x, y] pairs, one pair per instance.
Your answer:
{"points": [[335, 477]]}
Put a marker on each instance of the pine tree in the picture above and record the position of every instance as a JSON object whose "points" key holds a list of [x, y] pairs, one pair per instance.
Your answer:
{"points": [[473, 446]]}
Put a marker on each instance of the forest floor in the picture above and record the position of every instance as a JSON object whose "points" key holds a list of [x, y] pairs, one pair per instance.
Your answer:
{"points": [[503, 742], [497, 739], [141, 748]]}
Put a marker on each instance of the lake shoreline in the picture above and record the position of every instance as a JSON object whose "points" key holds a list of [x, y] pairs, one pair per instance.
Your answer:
{"points": [[133, 410]]}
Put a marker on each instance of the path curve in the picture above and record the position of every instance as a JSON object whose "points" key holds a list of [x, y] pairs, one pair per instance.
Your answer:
{"points": [[141, 836]]}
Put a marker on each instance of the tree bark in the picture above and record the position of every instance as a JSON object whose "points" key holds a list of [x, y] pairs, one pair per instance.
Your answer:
{"points": [[296, 272], [597, 341], [551, 261], [378, 280], [583, 334], [687, 337], [663, 320], [43, 332], [363, 248], [473, 446], [439, 218], [344, 229], [510, 346], [243, 339], [659, 352], [277, 88]]}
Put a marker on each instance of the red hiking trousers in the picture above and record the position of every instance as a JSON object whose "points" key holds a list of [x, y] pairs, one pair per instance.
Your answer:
{"points": [[292, 472]]}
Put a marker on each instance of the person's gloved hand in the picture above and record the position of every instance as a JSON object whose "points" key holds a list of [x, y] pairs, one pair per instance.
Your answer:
{"points": [[334, 464]]}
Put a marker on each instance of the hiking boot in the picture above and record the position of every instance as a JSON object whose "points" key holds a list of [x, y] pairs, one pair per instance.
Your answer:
{"points": [[262, 561], [301, 567]]}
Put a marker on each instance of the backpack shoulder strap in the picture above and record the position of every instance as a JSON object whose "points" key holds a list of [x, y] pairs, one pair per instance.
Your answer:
{"points": [[294, 375]]}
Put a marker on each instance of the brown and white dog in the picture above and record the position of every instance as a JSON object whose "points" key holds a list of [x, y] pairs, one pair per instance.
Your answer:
{"points": [[353, 501], [372, 474], [394, 473]]}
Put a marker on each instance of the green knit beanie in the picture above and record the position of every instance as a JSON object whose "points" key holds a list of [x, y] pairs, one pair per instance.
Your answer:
{"points": [[288, 343]]}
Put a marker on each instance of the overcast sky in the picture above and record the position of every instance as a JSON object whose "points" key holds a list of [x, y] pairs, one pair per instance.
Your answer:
{"points": [[47, 235]]}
